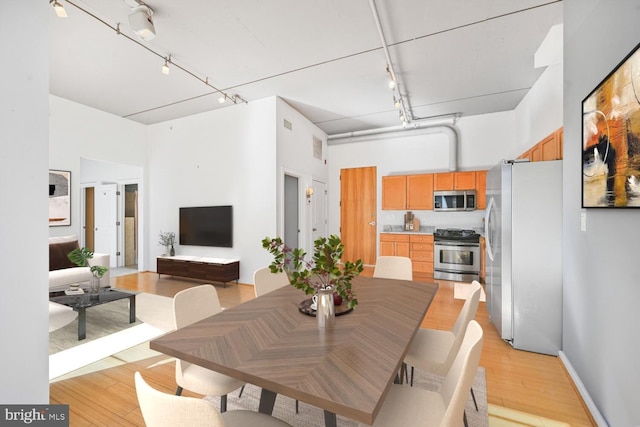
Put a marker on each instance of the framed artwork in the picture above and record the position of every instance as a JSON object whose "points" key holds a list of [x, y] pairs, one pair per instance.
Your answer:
{"points": [[611, 138], [59, 198]]}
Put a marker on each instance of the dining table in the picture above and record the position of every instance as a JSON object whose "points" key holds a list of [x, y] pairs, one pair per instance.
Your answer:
{"points": [[346, 369]]}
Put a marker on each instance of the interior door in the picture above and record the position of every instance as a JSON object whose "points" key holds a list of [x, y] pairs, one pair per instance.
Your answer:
{"points": [[358, 211], [291, 211], [319, 210], [105, 220]]}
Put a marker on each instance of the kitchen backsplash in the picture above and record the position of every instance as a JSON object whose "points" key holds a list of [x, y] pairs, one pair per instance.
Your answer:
{"points": [[393, 221]]}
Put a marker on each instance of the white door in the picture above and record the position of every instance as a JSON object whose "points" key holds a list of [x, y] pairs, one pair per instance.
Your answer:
{"points": [[319, 210], [106, 219]]}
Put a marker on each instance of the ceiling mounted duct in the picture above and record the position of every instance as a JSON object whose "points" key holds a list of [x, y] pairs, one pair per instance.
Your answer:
{"points": [[141, 22]]}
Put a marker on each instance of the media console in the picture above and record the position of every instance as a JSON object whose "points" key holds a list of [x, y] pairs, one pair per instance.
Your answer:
{"points": [[210, 269]]}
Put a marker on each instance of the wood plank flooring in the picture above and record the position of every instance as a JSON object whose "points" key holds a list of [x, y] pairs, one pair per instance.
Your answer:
{"points": [[520, 380]]}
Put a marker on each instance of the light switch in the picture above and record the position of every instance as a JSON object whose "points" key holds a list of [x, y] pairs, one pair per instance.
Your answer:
{"points": [[583, 221]]}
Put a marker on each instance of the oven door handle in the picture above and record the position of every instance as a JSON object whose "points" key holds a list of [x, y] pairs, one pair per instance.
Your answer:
{"points": [[457, 244]]}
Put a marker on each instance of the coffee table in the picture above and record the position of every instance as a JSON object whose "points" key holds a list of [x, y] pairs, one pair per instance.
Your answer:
{"points": [[81, 302]]}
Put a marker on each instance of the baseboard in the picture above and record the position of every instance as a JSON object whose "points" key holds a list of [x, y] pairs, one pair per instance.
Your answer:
{"points": [[586, 398]]}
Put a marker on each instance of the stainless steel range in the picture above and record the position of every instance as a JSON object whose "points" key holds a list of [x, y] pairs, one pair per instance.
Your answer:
{"points": [[456, 254]]}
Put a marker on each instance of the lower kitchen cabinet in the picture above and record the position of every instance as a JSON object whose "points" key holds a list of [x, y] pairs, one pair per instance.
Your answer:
{"points": [[394, 245], [421, 253]]}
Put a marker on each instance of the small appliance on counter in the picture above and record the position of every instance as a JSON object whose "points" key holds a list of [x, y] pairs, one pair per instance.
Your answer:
{"points": [[411, 223]]}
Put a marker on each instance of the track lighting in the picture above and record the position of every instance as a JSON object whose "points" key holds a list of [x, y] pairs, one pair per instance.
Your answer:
{"points": [[392, 84], [222, 99], [397, 102], [59, 9], [165, 68], [141, 23]]}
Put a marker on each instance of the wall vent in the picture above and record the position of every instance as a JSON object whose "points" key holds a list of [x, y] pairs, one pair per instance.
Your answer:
{"points": [[288, 124], [317, 148]]}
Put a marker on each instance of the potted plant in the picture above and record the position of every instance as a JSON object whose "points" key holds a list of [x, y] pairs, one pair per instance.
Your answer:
{"points": [[324, 272], [81, 257], [168, 239]]}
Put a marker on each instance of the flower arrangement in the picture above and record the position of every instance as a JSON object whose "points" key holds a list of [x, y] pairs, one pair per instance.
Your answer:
{"points": [[167, 238], [323, 271]]}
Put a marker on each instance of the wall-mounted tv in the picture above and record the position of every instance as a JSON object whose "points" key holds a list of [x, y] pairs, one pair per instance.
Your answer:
{"points": [[207, 226]]}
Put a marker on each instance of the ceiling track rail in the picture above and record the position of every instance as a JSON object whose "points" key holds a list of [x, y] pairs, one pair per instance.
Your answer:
{"points": [[404, 110]]}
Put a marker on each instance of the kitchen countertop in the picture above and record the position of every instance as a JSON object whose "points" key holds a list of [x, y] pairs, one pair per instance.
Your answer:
{"points": [[424, 229]]}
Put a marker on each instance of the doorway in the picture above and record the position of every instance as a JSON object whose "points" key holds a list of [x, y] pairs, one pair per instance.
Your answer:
{"points": [[291, 211], [131, 226]]}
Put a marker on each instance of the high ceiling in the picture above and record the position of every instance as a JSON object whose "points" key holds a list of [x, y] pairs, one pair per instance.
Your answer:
{"points": [[324, 57]]}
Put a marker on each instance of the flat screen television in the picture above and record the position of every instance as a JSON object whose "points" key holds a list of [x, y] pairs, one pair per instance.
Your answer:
{"points": [[207, 226]]}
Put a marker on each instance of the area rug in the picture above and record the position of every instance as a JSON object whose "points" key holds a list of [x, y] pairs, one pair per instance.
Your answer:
{"points": [[310, 416], [109, 332], [461, 291]]}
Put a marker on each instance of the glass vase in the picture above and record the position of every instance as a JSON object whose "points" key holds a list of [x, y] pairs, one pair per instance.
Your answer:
{"points": [[94, 287], [326, 310]]}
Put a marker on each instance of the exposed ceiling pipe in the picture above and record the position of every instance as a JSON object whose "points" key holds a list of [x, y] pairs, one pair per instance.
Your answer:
{"points": [[385, 133], [407, 117]]}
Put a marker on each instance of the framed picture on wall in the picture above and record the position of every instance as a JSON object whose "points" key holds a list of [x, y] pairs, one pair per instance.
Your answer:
{"points": [[59, 198], [611, 138]]}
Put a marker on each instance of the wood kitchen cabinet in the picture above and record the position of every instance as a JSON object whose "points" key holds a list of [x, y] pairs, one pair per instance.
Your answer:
{"points": [[549, 148], [420, 192], [421, 253], [394, 192], [464, 180], [454, 181], [394, 245], [481, 189]]}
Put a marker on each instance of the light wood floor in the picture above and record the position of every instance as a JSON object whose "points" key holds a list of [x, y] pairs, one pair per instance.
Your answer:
{"points": [[520, 380]]}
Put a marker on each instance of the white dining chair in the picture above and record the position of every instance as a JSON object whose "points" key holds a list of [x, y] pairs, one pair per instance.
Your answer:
{"points": [[165, 410], [434, 350], [264, 281], [393, 267], [413, 406], [189, 306]]}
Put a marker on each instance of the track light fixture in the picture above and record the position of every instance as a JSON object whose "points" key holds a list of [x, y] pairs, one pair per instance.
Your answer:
{"points": [[141, 22], [165, 68], [59, 9], [142, 25]]}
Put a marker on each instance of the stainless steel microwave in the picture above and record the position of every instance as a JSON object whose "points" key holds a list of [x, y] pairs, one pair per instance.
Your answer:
{"points": [[457, 200]]}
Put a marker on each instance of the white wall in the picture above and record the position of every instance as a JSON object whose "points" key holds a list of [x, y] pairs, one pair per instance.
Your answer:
{"points": [[295, 157], [601, 271], [223, 157], [24, 85], [483, 141], [540, 112], [79, 132]]}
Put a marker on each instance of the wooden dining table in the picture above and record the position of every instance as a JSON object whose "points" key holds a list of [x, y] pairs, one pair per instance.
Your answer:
{"points": [[346, 369]]}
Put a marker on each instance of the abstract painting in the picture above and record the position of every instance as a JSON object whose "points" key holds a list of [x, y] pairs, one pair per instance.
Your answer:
{"points": [[611, 138], [59, 197]]}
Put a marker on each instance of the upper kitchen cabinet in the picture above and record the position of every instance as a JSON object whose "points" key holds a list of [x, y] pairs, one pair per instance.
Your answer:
{"points": [[549, 148], [394, 192], [401, 192], [454, 181], [420, 192], [481, 189]]}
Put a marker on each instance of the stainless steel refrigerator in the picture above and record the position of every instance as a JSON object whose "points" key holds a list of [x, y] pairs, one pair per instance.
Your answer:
{"points": [[523, 232]]}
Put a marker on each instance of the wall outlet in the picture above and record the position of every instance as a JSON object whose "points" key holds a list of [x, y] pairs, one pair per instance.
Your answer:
{"points": [[583, 221]]}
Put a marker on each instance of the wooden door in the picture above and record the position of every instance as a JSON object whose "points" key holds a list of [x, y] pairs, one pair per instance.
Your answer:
{"points": [[358, 223]]}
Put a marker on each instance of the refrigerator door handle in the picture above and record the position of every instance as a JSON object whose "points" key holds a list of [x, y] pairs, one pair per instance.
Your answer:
{"points": [[487, 228]]}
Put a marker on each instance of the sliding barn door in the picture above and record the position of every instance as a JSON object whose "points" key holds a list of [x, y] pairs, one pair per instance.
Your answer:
{"points": [[358, 207]]}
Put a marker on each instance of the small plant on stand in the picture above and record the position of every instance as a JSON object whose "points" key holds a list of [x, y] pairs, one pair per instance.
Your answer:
{"points": [[323, 272], [168, 239]]}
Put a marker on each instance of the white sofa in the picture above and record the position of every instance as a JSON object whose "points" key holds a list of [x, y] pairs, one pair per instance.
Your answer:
{"points": [[64, 272]]}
